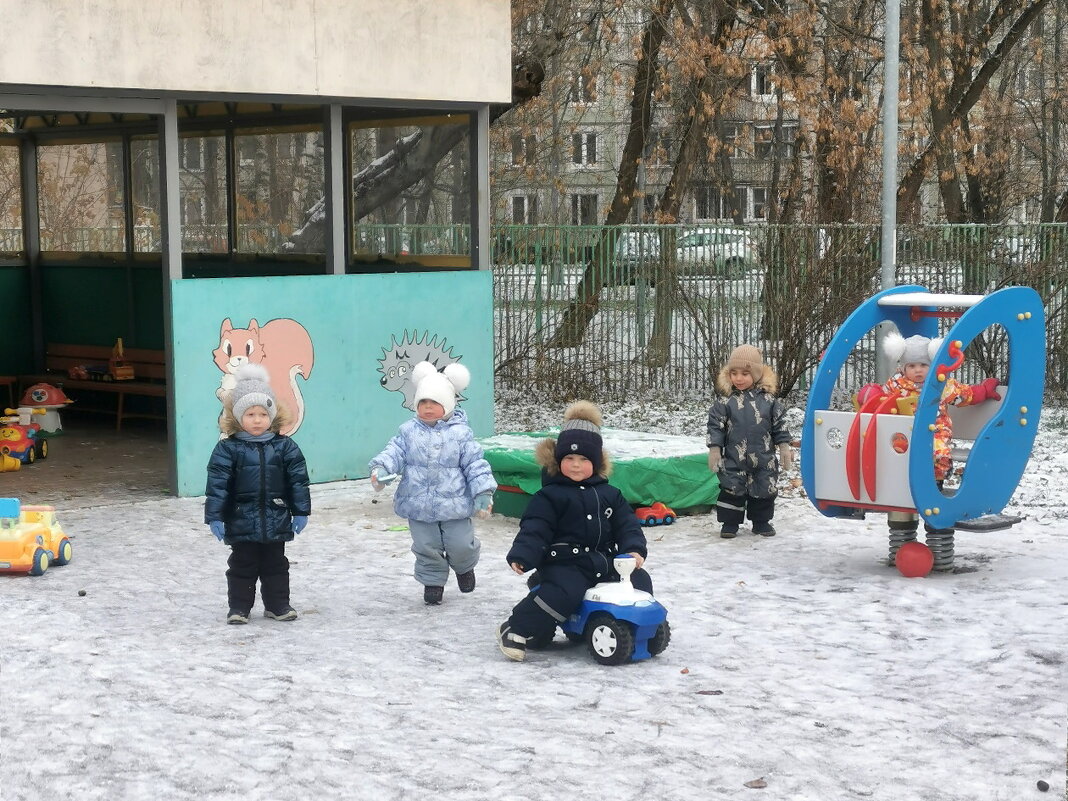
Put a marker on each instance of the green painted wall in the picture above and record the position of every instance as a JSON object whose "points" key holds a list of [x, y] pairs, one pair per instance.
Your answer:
{"points": [[351, 320], [16, 355], [94, 305]]}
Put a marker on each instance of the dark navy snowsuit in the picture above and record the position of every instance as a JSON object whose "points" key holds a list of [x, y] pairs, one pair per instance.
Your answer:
{"points": [[256, 488], [747, 426], [570, 533]]}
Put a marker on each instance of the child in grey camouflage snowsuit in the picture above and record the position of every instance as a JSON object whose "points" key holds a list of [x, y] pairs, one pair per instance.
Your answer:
{"points": [[745, 428]]}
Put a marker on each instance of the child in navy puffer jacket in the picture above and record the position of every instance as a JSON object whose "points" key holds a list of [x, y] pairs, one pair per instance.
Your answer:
{"points": [[444, 480], [573, 528], [257, 497]]}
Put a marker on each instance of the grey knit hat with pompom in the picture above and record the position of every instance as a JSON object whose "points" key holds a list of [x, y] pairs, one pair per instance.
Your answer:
{"points": [[253, 388]]}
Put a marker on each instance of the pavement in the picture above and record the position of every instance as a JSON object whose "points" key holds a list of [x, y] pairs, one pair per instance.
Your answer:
{"points": [[90, 464]]}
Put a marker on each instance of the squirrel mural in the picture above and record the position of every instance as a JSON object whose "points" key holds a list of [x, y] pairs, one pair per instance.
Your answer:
{"points": [[282, 346]]}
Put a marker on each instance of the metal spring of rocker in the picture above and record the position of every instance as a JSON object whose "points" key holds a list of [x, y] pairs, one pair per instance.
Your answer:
{"points": [[940, 541]]}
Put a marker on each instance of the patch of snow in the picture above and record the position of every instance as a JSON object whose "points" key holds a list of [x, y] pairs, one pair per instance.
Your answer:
{"points": [[801, 660]]}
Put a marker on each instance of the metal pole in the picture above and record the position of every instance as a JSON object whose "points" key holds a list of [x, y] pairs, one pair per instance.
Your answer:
{"points": [[888, 250], [171, 235], [481, 252], [334, 199]]}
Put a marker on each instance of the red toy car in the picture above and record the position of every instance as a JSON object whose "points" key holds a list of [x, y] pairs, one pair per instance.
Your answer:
{"points": [[21, 440], [655, 515]]}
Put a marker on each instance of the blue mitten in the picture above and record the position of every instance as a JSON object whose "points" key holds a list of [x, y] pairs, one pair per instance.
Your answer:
{"points": [[380, 477], [218, 528], [299, 522], [484, 504]]}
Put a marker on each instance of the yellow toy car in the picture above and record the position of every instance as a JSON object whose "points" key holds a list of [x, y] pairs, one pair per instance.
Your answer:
{"points": [[31, 539]]}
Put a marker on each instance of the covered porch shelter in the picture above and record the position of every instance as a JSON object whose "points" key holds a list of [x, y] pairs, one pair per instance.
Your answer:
{"points": [[292, 182]]}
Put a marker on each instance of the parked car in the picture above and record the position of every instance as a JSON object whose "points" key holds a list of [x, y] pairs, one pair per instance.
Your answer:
{"points": [[716, 252], [637, 255]]}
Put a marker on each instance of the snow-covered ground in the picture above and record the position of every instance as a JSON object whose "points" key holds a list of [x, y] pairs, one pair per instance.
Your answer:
{"points": [[800, 660]]}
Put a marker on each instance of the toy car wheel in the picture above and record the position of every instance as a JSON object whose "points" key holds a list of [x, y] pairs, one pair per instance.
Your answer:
{"points": [[668, 520], [651, 521], [40, 562], [31, 456], [65, 552], [611, 641], [659, 641], [41, 447]]}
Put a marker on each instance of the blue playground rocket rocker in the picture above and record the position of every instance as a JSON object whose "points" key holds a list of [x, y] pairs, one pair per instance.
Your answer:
{"points": [[880, 459]]}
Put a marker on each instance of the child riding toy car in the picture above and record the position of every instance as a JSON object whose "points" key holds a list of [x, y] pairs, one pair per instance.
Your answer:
{"points": [[618, 622]]}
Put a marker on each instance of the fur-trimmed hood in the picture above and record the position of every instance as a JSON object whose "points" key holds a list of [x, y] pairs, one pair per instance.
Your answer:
{"points": [[545, 456], [769, 381], [230, 425]]}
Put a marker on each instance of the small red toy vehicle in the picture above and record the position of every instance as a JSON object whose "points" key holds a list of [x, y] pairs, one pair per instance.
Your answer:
{"points": [[19, 437], [655, 515]]}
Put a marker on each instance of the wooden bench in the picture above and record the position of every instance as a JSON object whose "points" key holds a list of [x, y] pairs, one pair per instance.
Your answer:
{"points": [[149, 368]]}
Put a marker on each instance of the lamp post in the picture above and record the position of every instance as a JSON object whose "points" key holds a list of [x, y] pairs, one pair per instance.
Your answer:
{"points": [[888, 249]]}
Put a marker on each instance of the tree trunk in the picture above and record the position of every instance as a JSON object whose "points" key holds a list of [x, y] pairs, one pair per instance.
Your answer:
{"points": [[577, 316], [410, 160], [964, 98]]}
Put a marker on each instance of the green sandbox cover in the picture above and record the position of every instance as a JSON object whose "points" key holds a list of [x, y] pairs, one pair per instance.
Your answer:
{"points": [[645, 467]]}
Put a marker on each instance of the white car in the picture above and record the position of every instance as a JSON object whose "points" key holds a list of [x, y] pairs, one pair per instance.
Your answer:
{"points": [[716, 252]]}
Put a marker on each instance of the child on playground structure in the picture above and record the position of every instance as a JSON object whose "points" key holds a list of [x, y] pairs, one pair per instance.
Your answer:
{"points": [[445, 479], [573, 528], [257, 496], [913, 359], [745, 428]]}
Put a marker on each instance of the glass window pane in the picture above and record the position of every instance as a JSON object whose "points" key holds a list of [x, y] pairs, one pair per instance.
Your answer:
{"points": [[144, 174], [80, 197], [411, 189], [279, 178], [202, 193], [10, 200]]}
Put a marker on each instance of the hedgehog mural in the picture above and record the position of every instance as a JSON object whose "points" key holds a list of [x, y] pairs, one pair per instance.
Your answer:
{"points": [[399, 358]]}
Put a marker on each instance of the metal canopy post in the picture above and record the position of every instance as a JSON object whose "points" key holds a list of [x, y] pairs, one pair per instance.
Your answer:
{"points": [[171, 231], [31, 245], [480, 189], [334, 196]]}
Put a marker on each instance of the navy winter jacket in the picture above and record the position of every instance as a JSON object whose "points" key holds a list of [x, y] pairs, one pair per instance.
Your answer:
{"points": [[586, 523], [256, 488]]}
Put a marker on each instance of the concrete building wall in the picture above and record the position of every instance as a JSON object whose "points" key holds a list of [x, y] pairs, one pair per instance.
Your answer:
{"points": [[403, 49]]}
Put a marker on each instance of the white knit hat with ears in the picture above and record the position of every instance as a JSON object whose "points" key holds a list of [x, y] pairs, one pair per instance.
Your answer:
{"points": [[253, 388], [914, 350], [441, 387]]}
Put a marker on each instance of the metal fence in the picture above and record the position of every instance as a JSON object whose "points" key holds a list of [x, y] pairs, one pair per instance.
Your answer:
{"points": [[610, 312]]}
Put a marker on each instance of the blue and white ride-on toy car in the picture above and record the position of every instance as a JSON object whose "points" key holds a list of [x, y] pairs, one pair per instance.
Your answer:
{"points": [[619, 623]]}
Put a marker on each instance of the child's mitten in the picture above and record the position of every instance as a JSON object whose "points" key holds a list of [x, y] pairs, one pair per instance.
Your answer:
{"points": [[786, 456], [715, 456], [484, 505], [218, 528], [379, 478], [985, 390]]}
